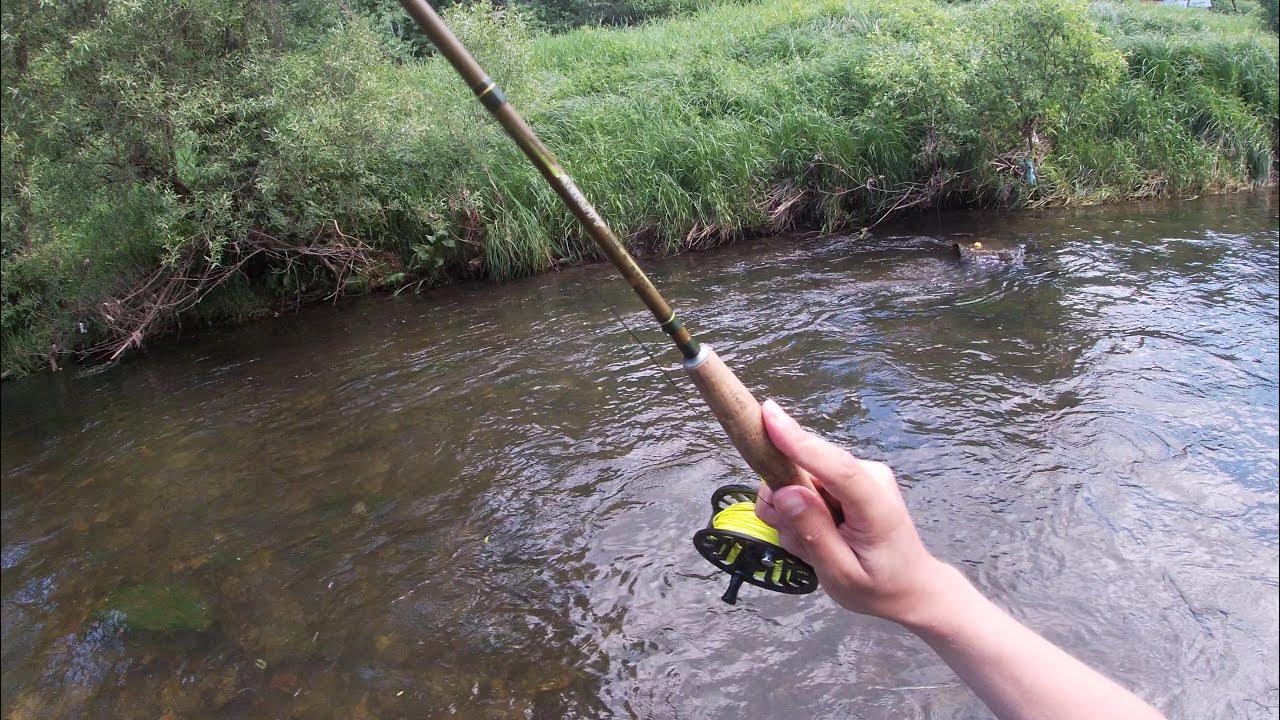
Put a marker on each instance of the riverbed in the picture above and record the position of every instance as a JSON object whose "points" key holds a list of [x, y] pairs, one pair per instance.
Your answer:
{"points": [[478, 502]]}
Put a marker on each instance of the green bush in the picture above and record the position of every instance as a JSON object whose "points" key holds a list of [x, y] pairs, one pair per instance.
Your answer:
{"points": [[1271, 14], [252, 144]]}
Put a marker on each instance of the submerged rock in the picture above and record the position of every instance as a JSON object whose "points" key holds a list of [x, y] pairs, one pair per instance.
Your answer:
{"points": [[974, 253], [158, 608]]}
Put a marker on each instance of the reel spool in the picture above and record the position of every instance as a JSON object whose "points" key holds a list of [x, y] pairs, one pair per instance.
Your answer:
{"points": [[741, 544]]}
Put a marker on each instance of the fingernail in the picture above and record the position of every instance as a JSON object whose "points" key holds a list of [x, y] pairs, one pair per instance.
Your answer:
{"points": [[789, 503], [770, 407]]}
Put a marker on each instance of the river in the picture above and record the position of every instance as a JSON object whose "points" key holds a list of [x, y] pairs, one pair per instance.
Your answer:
{"points": [[479, 502]]}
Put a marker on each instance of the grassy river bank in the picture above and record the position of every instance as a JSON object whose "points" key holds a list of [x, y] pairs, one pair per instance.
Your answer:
{"points": [[205, 161]]}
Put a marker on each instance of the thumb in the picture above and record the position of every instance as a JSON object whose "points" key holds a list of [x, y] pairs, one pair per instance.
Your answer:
{"points": [[842, 476], [805, 518]]}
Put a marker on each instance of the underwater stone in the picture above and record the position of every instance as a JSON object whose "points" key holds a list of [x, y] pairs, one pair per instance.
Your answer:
{"points": [[158, 608]]}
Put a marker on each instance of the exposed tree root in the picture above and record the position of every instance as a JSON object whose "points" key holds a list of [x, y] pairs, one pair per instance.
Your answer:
{"points": [[155, 302]]}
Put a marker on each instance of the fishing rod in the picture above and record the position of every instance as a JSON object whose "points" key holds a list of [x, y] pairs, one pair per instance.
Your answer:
{"points": [[734, 540]]}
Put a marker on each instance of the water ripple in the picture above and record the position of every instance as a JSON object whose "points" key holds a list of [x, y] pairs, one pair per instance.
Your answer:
{"points": [[479, 502]]}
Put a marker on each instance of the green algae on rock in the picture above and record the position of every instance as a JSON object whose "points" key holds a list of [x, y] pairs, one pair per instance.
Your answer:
{"points": [[158, 608]]}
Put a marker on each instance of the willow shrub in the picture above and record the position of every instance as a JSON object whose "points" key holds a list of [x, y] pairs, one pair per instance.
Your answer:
{"points": [[134, 129]]}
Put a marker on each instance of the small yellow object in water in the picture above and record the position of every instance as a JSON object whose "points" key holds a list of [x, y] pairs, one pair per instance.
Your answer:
{"points": [[977, 246]]}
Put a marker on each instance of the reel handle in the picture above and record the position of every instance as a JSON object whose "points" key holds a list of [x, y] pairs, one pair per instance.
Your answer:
{"points": [[739, 414]]}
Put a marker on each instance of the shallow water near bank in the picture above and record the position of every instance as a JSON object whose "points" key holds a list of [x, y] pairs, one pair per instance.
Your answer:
{"points": [[479, 503]]}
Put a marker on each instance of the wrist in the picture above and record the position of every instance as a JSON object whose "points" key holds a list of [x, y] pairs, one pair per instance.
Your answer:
{"points": [[945, 601]]}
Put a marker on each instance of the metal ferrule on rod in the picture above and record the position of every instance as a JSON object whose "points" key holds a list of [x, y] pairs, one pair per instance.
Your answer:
{"points": [[490, 95]]}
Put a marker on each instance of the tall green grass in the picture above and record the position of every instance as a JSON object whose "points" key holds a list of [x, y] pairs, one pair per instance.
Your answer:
{"points": [[687, 132]]}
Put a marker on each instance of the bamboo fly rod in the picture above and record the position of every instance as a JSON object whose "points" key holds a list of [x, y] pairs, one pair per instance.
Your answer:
{"points": [[734, 406]]}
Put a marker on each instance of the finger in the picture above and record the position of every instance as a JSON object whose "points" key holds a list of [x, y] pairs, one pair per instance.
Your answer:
{"points": [[804, 517], [764, 506], [772, 517], [766, 511], [865, 490], [790, 544]]}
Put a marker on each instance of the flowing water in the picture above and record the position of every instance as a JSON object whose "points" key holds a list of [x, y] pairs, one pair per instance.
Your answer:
{"points": [[478, 503]]}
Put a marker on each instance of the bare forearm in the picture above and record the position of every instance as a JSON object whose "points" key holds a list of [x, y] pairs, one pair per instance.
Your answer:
{"points": [[1017, 673], [872, 561]]}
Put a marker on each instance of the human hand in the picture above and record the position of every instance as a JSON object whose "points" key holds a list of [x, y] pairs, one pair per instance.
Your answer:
{"points": [[873, 562]]}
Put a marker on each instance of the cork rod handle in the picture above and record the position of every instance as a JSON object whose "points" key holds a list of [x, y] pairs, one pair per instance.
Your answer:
{"points": [[739, 414]]}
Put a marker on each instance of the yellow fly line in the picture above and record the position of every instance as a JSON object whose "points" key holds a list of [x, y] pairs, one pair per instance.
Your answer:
{"points": [[741, 518]]}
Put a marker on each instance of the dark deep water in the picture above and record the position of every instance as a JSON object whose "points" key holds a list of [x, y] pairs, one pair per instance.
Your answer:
{"points": [[479, 503]]}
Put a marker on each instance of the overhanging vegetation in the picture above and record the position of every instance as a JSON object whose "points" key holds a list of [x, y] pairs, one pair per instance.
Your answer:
{"points": [[209, 160]]}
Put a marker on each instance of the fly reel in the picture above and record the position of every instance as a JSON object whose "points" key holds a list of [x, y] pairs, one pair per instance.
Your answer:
{"points": [[741, 544]]}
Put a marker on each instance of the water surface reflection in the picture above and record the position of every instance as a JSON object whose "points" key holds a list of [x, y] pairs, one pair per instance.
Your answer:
{"points": [[479, 502]]}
